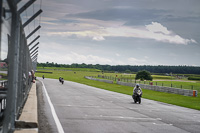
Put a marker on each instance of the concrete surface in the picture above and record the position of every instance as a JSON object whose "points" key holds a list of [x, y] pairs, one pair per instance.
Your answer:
{"points": [[84, 109], [28, 121], [26, 131]]}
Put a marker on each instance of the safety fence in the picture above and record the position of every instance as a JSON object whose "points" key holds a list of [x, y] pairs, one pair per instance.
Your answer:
{"points": [[184, 92], [101, 80], [18, 60], [163, 89], [171, 84]]}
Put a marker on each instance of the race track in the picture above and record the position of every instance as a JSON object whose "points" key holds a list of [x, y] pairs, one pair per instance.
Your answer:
{"points": [[84, 109]]}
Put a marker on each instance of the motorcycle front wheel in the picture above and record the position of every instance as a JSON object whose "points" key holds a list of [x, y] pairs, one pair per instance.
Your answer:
{"points": [[139, 100]]}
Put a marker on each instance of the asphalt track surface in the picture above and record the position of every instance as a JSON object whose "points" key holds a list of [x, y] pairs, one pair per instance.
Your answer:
{"points": [[84, 109]]}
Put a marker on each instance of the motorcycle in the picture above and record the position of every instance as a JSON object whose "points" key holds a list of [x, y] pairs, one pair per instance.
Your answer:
{"points": [[137, 96], [62, 81]]}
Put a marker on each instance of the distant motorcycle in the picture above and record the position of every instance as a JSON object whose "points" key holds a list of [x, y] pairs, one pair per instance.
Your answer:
{"points": [[137, 96], [62, 81]]}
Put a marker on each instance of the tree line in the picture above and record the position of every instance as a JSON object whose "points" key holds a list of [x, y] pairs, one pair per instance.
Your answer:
{"points": [[181, 69]]}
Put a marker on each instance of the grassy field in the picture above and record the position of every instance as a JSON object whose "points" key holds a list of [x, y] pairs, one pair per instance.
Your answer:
{"points": [[3, 76], [68, 69], [185, 101], [180, 84]]}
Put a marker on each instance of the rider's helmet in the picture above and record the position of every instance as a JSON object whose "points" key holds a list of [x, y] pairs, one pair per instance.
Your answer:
{"points": [[137, 85]]}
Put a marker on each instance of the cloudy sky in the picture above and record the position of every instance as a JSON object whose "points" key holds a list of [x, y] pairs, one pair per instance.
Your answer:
{"points": [[120, 32]]}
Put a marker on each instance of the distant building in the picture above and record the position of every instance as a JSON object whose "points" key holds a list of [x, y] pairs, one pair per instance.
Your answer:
{"points": [[3, 65]]}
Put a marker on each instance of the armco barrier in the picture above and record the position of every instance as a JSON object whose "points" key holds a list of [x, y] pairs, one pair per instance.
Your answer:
{"points": [[101, 80], [184, 92]]}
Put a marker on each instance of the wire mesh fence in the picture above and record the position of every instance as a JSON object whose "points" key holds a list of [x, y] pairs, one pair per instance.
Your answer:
{"points": [[16, 65], [172, 84]]}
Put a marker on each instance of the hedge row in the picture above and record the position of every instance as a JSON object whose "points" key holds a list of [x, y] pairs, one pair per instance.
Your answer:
{"points": [[193, 78]]}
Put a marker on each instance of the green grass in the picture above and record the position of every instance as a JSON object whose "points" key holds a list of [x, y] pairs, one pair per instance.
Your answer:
{"points": [[155, 77], [69, 69], [3, 79], [3, 76], [194, 78], [184, 101], [179, 84]]}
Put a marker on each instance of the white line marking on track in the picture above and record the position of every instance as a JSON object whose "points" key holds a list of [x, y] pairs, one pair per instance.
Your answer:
{"points": [[57, 121]]}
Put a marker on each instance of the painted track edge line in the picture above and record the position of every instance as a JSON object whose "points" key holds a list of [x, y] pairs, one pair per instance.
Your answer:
{"points": [[57, 121]]}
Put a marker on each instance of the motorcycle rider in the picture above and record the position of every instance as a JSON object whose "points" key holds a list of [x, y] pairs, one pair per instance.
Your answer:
{"points": [[62, 80], [135, 90]]}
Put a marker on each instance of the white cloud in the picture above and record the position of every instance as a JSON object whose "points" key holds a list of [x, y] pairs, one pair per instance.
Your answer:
{"points": [[3, 55], [70, 53], [72, 57], [49, 23], [157, 28], [98, 38], [134, 61], [118, 55], [154, 31], [140, 61]]}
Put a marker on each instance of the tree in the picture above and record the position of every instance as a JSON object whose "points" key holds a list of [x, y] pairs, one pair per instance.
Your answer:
{"points": [[127, 71], [144, 75]]}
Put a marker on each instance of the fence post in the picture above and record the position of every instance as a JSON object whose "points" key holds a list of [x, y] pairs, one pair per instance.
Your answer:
{"points": [[10, 115], [19, 54]]}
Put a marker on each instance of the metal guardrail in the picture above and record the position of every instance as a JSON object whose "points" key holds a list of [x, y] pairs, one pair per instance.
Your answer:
{"points": [[18, 62]]}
